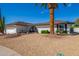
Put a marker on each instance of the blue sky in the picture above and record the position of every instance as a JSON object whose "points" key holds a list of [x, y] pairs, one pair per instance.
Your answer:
{"points": [[28, 12]]}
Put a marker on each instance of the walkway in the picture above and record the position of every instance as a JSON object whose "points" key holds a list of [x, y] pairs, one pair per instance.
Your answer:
{"points": [[4, 51]]}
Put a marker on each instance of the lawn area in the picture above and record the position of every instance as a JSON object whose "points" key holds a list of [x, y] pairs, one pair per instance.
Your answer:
{"points": [[37, 44]]}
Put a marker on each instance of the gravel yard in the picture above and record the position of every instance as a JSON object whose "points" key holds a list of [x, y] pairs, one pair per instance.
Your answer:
{"points": [[42, 45]]}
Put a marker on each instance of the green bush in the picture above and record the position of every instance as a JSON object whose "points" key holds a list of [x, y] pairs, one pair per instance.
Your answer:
{"points": [[45, 32], [76, 26], [64, 32], [57, 31], [60, 54]]}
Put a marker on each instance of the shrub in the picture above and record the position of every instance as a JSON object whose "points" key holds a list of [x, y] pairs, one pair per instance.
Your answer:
{"points": [[57, 31], [64, 32], [45, 32], [72, 26], [76, 26], [60, 54]]}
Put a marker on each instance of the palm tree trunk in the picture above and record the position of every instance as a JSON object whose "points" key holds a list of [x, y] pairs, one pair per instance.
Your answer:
{"points": [[51, 20], [51, 7]]}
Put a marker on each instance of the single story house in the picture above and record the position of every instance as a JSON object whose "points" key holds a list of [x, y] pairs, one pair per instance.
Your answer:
{"points": [[23, 27], [57, 25], [20, 27]]}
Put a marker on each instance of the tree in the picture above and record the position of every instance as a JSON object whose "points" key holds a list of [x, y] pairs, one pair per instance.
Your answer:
{"points": [[2, 25], [52, 7], [77, 22]]}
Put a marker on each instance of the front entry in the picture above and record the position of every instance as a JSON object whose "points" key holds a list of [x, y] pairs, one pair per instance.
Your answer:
{"points": [[33, 29], [62, 27]]}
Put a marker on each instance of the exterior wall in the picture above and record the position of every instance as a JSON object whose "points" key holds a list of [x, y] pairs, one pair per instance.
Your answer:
{"points": [[11, 31], [18, 29], [40, 29], [76, 30], [15, 29], [21, 29], [68, 30]]}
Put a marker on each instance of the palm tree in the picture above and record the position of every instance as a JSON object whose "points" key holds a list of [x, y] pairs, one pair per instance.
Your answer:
{"points": [[52, 7]]}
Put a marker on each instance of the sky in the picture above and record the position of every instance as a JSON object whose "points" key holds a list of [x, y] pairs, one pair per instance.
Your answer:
{"points": [[29, 12]]}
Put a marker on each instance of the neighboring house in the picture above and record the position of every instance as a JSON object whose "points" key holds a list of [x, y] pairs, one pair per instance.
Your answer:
{"points": [[76, 30], [20, 27], [58, 25]]}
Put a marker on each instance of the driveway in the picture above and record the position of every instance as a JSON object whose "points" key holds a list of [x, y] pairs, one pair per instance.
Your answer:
{"points": [[4, 51]]}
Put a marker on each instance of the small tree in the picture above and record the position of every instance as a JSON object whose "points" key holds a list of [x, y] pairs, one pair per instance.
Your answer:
{"points": [[2, 25], [77, 21]]}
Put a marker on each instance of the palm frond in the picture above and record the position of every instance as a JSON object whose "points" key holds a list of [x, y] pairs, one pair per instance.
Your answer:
{"points": [[44, 5], [41, 5], [36, 4], [66, 4]]}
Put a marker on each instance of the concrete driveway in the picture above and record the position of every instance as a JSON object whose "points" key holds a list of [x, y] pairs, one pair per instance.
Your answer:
{"points": [[4, 51]]}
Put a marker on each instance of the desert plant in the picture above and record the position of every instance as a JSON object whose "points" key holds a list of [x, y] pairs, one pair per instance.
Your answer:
{"points": [[2, 25], [64, 32], [60, 54], [57, 31]]}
